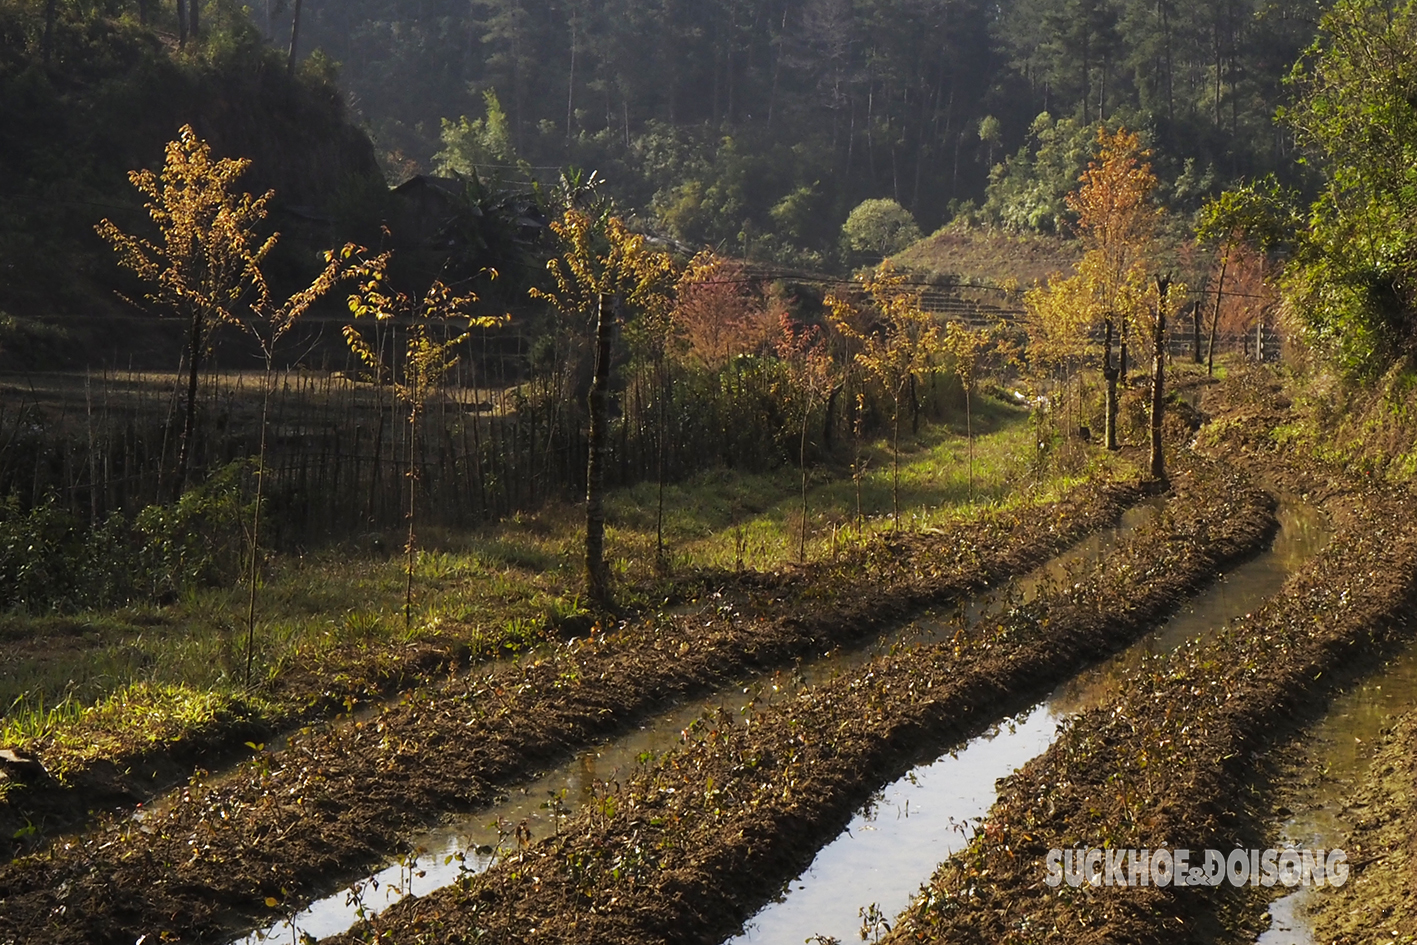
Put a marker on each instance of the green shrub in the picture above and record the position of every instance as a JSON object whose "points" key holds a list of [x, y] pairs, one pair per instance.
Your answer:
{"points": [[51, 561]]}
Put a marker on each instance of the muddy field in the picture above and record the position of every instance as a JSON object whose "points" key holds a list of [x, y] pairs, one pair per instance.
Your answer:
{"points": [[734, 622], [705, 858]]}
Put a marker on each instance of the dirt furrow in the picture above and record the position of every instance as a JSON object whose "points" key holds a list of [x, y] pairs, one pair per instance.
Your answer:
{"points": [[837, 600], [693, 844], [289, 825]]}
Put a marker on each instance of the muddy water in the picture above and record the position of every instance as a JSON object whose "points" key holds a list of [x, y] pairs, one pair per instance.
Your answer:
{"points": [[894, 845], [472, 843], [1343, 743]]}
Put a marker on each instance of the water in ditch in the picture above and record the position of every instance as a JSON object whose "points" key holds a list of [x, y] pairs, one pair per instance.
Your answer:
{"points": [[892, 846], [471, 843], [1345, 741]]}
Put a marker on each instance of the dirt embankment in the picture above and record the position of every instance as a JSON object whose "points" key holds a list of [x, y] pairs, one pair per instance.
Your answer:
{"points": [[806, 607], [1171, 762], [693, 844], [287, 826]]}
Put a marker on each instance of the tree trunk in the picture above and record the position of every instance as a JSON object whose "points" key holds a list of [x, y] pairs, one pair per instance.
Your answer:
{"points": [[895, 462], [256, 521], [181, 22], [1122, 357], [802, 462], [1215, 317], [661, 560], [50, 11], [189, 417], [409, 548], [294, 39], [1196, 331], [143, 12], [597, 575], [571, 84], [1109, 373], [1158, 380], [969, 435]]}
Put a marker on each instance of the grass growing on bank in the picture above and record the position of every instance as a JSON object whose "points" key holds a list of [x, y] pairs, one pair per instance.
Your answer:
{"points": [[104, 685]]}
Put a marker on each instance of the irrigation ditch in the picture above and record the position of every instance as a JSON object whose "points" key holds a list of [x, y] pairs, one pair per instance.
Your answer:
{"points": [[688, 846], [476, 840], [648, 842], [1347, 783]]}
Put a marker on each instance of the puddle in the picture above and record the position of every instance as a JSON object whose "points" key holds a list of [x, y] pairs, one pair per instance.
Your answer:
{"points": [[1345, 739], [894, 845], [471, 843]]}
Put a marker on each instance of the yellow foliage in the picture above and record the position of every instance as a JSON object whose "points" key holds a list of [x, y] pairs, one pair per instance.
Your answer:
{"points": [[210, 255], [1116, 222], [426, 359], [601, 257], [908, 340]]}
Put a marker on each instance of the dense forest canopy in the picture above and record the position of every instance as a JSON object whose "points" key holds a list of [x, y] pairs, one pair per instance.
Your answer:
{"points": [[757, 125]]}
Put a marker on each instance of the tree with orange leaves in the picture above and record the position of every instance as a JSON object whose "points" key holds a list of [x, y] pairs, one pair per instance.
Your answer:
{"points": [[721, 312], [1116, 223]]}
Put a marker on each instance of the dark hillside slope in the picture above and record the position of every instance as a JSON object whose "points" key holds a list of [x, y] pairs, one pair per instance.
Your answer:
{"points": [[111, 95]]}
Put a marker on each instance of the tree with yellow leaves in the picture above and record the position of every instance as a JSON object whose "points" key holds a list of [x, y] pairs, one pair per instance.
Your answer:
{"points": [[803, 350], [902, 346], [267, 323], [426, 360], [209, 257], [603, 271]]}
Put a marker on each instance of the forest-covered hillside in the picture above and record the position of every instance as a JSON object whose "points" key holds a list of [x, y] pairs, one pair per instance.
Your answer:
{"points": [[756, 125], [90, 91]]}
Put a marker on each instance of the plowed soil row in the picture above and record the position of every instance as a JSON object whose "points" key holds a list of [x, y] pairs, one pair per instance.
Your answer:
{"points": [[1172, 761], [696, 841], [822, 603], [290, 825]]}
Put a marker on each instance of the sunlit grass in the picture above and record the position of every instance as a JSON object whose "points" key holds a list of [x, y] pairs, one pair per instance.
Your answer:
{"points": [[727, 520], [131, 721]]}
